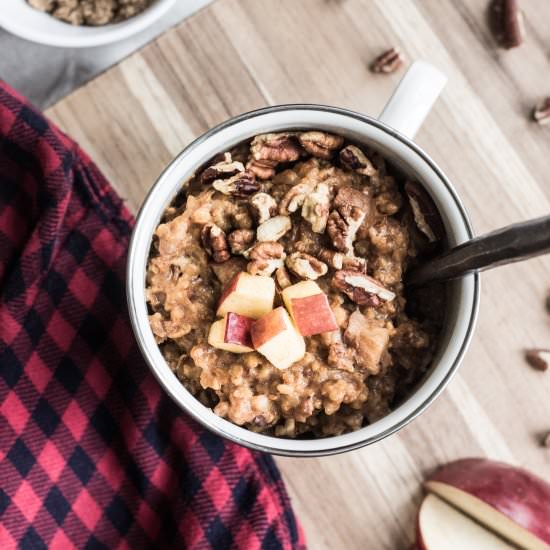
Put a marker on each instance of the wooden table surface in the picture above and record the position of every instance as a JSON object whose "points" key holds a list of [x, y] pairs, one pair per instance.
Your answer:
{"points": [[239, 55]]}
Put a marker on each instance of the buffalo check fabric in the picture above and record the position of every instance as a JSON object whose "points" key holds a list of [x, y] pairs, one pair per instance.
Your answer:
{"points": [[92, 454]]}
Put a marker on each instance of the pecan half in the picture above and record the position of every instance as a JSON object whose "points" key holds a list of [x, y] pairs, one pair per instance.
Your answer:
{"points": [[425, 212], [539, 359], [315, 208], [351, 208], [352, 158], [506, 23], [241, 240], [263, 206], [221, 170], [387, 62], [280, 147], [360, 288], [294, 198], [265, 258], [541, 113], [214, 242], [306, 266], [240, 185], [320, 144]]}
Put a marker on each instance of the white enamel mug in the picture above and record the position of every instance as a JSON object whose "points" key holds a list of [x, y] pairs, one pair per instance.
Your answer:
{"points": [[391, 135]]}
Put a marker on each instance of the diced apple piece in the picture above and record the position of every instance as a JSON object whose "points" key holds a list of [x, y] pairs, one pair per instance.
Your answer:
{"points": [[309, 308], [511, 501], [277, 339], [248, 295], [216, 338], [440, 526], [237, 329]]}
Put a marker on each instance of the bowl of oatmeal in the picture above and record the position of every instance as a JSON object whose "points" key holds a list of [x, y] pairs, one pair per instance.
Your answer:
{"points": [[80, 23], [267, 280]]}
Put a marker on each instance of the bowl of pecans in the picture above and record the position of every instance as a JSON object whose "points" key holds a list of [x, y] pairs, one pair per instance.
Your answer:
{"points": [[80, 23], [267, 275]]}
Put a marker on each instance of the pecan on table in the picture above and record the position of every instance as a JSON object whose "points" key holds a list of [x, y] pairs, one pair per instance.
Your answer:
{"points": [[263, 206], [240, 185], [539, 359], [360, 288], [320, 144], [315, 208], [506, 23], [354, 159], [273, 228], [265, 258], [221, 170], [241, 240], [387, 62], [541, 113], [306, 266], [351, 206], [214, 242]]}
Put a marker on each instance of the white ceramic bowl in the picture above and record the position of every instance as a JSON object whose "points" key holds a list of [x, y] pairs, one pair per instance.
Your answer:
{"points": [[19, 18]]}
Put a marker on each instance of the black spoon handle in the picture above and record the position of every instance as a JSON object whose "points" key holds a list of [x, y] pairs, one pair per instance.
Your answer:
{"points": [[503, 246]]}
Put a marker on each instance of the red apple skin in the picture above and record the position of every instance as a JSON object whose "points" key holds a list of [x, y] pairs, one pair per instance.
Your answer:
{"points": [[516, 493], [237, 329], [313, 315], [266, 327]]}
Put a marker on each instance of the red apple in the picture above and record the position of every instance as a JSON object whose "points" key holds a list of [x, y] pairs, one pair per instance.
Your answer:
{"points": [[441, 527], [509, 500], [309, 308], [248, 295], [276, 338], [216, 338], [237, 329]]}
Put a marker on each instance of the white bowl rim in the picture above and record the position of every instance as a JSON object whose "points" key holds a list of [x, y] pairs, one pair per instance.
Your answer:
{"points": [[64, 35], [139, 250]]}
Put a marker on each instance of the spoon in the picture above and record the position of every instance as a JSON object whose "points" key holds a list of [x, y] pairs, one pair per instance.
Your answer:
{"points": [[512, 243]]}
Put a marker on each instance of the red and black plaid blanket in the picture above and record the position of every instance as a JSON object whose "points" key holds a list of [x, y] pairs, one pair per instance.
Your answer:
{"points": [[92, 454]]}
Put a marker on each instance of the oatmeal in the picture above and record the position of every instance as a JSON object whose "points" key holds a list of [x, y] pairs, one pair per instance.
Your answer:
{"points": [[275, 285], [91, 12]]}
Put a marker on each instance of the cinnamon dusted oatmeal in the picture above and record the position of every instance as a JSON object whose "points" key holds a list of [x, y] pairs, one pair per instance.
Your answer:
{"points": [[275, 285]]}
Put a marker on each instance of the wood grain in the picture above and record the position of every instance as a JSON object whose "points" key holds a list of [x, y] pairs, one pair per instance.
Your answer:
{"points": [[238, 55]]}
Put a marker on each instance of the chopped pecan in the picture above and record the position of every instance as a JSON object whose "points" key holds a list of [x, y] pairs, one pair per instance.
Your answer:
{"points": [[387, 62], [221, 170], [539, 359], [337, 260], [425, 212], [351, 208], [263, 207], [341, 357], [262, 169], [241, 240], [315, 208], [282, 278], [541, 112], [306, 266], [215, 242], [273, 228], [352, 158], [320, 144], [294, 198], [388, 202], [241, 185], [360, 288], [265, 258], [506, 23]]}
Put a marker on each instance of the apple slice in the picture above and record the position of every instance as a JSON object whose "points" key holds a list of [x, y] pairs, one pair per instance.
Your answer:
{"points": [[442, 527], [248, 295], [309, 308], [218, 334], [276, 338], [508, 500]]}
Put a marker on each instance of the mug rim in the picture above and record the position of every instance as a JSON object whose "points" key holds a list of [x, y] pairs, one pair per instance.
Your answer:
{"points": [[265, 447]]}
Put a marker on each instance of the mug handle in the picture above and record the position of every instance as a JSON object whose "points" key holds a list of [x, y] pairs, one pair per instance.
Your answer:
{"points": [[413, 98]]}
